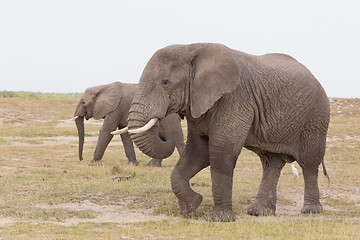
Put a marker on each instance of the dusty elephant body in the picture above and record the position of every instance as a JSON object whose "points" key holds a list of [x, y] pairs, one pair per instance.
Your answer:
{"points": [[270, 104], [112, 102]]}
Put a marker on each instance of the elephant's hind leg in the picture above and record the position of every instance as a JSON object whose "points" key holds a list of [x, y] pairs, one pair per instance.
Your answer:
{"points": [[313, 151], [310, 165], [311, 195], [265, 202]]}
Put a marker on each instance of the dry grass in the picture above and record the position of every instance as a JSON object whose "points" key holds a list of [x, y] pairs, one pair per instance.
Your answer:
{"points": [[46, 193]]}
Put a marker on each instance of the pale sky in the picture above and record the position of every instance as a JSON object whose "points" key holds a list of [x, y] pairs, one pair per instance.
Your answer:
{"points": [[68, 45]]}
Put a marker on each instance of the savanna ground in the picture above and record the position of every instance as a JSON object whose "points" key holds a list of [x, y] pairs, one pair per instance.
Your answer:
{"points": [[47, 193]]}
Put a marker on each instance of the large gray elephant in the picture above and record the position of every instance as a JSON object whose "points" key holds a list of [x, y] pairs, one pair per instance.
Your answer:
{"points": [[270, 104], [112, 102]]}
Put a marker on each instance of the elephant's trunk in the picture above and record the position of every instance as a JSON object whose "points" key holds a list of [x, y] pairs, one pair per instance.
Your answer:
{"points": [[80, 127], [150, 142]]}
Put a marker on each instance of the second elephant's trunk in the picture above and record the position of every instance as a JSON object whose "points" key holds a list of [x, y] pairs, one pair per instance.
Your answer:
{"points": [[80, 127]]}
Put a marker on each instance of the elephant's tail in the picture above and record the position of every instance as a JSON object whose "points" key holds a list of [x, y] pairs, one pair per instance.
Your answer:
{"points": [[324, 170]]}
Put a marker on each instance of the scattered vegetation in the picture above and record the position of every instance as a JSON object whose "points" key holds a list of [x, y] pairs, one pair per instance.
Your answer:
{"points": [[14, 94], [47, 193]]}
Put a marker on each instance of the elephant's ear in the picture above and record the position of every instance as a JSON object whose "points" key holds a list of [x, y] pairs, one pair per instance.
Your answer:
{"points": [[107, 100], [216, 71]]}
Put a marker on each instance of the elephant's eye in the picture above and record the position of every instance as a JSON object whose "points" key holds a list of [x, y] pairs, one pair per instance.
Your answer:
{"points": [[165, 82], [82, 102]]}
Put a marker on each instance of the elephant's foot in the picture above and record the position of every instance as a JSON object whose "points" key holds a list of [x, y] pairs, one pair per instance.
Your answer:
{"points": [[154, 163], [217, 215], [312, 208], [257, 209], [190, 204], [133, 162], [96, 163]]}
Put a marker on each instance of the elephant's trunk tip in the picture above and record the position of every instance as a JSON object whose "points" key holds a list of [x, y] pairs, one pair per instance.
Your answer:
{"points": [[80, 127]]}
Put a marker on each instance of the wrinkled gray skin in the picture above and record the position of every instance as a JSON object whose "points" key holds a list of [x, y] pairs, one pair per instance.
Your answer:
{"points": [[112, 102], [270, 104]]}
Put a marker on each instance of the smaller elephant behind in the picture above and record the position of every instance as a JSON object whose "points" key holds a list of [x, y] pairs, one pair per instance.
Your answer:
{"points": [[112, 103]]}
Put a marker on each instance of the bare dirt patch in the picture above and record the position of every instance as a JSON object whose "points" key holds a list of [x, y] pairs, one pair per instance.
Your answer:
{"points": [[49, 141], [6, 221], [296, 197], [106, 213]]}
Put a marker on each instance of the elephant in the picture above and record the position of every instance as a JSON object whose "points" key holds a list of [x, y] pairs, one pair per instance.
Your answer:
{"points": [[112, 102], [270, 104]]}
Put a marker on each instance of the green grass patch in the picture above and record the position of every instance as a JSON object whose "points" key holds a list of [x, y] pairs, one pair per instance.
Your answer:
{"points": [[39, 130], [261, 228]]}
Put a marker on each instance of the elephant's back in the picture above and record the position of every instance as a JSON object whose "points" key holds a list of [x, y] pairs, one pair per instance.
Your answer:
{"points": [[285, 69], [292, 93], [127, 89], [283, 65]]}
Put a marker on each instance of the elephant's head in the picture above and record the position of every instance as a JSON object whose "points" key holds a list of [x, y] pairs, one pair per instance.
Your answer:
{"points": [[96, 102], [187, 79]]}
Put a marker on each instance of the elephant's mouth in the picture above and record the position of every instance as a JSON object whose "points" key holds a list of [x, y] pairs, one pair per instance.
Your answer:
{"points": [[88, 115]]}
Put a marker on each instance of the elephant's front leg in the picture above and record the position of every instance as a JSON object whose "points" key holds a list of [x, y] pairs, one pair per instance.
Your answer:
{"points": [[194, 159], [222, 164], [105, 137], [265, 202], [129, 148]]}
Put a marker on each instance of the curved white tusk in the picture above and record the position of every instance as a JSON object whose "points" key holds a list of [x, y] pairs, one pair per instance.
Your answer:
{"points": [[76, 117], [120, 131], [144, 128]]}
